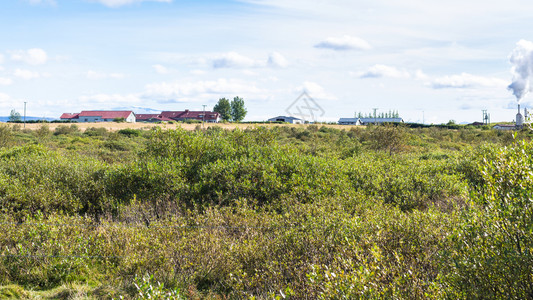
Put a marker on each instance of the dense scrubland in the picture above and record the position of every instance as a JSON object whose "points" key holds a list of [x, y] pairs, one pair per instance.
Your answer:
{"points": [[303, 213]]}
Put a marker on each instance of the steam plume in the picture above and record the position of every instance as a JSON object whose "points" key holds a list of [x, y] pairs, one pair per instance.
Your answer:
{"points": [[522, 60]]}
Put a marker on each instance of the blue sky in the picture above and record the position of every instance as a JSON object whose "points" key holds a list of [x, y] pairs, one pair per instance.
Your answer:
{"points": [[442, 60]]}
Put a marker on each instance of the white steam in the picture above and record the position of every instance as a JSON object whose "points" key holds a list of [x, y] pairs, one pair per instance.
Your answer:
{"points": [[522, 60]]}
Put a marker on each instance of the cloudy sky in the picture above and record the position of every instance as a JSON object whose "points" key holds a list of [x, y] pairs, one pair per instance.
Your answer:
{"points": [[437, 60]]}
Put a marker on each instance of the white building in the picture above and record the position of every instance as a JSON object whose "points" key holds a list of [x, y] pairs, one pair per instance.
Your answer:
{"points": [[349, 121], [291, 120], [89, 116], [368, 121]]}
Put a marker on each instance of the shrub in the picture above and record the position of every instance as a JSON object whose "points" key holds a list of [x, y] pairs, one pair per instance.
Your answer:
{"points": [[491, 255], [130, 132], [65, 130], [43, 132], [6, 136], [95, 131]]}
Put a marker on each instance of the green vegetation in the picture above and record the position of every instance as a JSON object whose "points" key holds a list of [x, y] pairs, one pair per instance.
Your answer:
{"points": [[223, 107], [288, 212], [238, 109], [14, 116], [231, 111]]}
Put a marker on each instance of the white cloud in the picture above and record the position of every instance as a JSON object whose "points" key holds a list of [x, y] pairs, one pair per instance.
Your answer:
{"points": [[315, 91], [250, 73], [93, 75], [378, 71], [50, 2], [113, 99], [6, 101], [275, 59], [1, 58], [344, 43], [234, 60], [33, 56], [4, 97], [5, 81], [198, 72], [26, 74], [118, 3], [465, 80], [420, 75], [160, 69], [200, 90]]}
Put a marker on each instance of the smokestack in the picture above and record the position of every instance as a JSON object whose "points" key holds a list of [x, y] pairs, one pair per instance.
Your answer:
{"points": [[519, 119]]}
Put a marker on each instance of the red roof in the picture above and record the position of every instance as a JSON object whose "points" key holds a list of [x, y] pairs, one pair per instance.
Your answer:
{"points": [[69, 116], [187, 114], [106, 114], [146, 117]]}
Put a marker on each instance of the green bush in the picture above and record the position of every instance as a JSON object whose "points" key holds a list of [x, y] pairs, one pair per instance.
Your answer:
{"points": [[130, 132], [65, 130], [492, 253], [286, 212]]}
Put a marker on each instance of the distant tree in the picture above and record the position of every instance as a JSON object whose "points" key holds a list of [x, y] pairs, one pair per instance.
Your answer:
{"points": [[14, 116], [238, 110], [223, 107]]}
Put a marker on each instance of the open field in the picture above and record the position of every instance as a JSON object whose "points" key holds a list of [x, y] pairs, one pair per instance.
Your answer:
{"points": [[284, 211], [113, 126]]}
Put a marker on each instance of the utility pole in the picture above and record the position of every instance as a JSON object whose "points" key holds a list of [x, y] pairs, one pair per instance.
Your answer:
{"points": [[486, 117], [375, 116], [24, 114], [203, 117]]}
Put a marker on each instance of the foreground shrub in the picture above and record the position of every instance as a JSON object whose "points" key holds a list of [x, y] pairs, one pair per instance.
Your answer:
{"points": [[34, 180], [492, 253]]}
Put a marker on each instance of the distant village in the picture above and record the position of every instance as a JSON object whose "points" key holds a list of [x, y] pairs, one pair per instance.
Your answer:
{"points": [[90, 116], [216, 116]]}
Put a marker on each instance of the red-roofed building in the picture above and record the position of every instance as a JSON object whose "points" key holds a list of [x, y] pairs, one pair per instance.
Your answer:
{"points": [[67, 116], [207, 116], [100, 116], [152, 118]]}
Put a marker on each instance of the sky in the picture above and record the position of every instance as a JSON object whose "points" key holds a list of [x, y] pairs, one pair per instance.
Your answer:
{"points": [[432, 61]]}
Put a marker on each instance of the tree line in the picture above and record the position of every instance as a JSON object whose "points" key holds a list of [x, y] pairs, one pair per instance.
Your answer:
{"points": [[381, 115]]}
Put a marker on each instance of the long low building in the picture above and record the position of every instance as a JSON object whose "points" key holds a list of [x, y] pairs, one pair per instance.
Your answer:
{"points": [[285, 119], [87, 116], [152, 118], [205, 116], [349, 121], [368, 121]]}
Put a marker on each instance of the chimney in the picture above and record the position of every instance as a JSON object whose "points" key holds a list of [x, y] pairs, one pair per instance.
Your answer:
{"points": [[519, 119]]}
